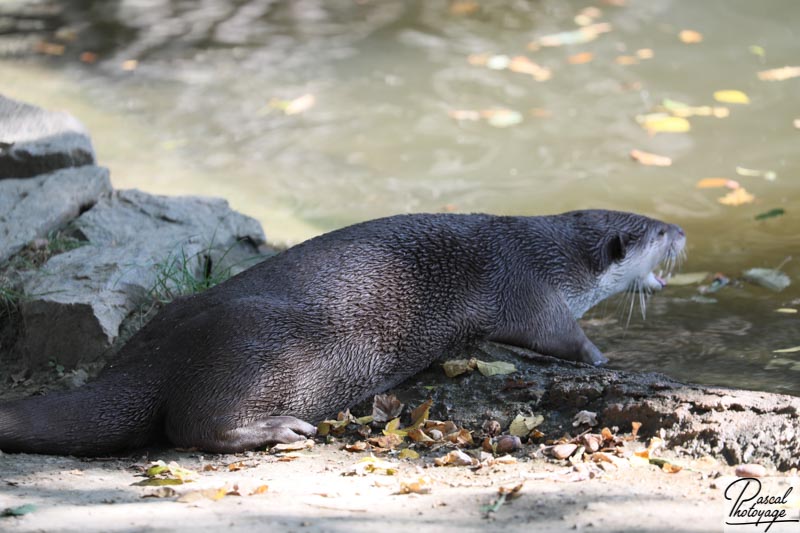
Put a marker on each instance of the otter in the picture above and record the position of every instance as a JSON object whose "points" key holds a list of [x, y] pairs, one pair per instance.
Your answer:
{"points": [[351, 313]]}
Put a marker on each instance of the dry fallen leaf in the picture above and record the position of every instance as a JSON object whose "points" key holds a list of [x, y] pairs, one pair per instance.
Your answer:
{"points": [[495, 368], [358, 446], [737, 197], [420, 485], [671, 468], [204, 494], [385, 407], [455, 457], [421, 413], [521, 426], [690, 36], [646, 158], [408, 453], [588, 418]]}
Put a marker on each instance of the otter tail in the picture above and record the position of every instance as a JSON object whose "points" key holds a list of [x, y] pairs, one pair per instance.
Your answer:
{"points": [[103, 417]]}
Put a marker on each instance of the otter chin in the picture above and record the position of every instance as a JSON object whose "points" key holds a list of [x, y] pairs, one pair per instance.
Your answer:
{"points": [[336, 319]]}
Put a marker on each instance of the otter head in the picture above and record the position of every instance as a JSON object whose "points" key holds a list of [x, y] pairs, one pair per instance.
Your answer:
{"points": [[627, 249]]}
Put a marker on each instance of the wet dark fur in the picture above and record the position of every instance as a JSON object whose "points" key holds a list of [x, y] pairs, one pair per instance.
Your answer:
{"points": [[327, 323]]}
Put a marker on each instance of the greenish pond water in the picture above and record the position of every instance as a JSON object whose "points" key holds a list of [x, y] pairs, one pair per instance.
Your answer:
{"points": [[201, 113]]}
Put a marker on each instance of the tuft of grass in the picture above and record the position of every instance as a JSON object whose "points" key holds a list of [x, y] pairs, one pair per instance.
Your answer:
{"points": [[178, 274], [40, 250], [9, 301]]}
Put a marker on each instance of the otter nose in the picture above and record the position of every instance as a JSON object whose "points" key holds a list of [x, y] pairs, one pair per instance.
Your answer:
{"points": [[679, 230]]}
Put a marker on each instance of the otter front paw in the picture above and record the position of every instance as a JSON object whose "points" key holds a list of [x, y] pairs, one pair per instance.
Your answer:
{"points": [[592, 355]]}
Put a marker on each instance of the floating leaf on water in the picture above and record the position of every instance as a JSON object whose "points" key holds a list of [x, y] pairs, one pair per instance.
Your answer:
{"points": [[690, 36], [300, 104], [579, 59], [498, 62], [626, 60], [130, 65], [523, 65], [479, 60], [737, 197], [88, 57], [502, 118], [663, 123], [646, 158], [645, 53], [768, 175], [779, 74], [582, 35], [463, 7], [50, 49], [796, 123], [788, 350], [757, 51], [587, 16], [778, 211], [464, 114], [786, 310], [713, 183], [681, 109], [688, 278], [768, 277], [495, 368], [731, 96]]}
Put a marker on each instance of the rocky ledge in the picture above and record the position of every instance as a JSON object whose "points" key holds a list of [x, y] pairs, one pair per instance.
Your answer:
{"points": [[83, 265]]}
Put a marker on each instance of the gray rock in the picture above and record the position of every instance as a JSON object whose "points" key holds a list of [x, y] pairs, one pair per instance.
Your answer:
{"points": [[135, 241], [34, 141], [33, 207]]}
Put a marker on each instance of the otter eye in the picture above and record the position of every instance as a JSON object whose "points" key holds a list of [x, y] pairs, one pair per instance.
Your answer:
{"points": [[662, 232]]}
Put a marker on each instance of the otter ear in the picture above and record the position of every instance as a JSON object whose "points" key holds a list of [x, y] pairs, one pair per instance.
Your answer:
{"points": [[616, 247]]}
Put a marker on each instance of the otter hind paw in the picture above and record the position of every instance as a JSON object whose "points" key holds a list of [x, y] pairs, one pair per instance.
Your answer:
{"points": [[285, 429]]}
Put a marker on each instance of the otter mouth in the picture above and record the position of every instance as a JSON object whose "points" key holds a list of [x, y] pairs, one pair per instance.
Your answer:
{"points": [[653, 282]]}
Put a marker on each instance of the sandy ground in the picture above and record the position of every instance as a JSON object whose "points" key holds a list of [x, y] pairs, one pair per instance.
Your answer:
{"points": [[312, 494]]}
